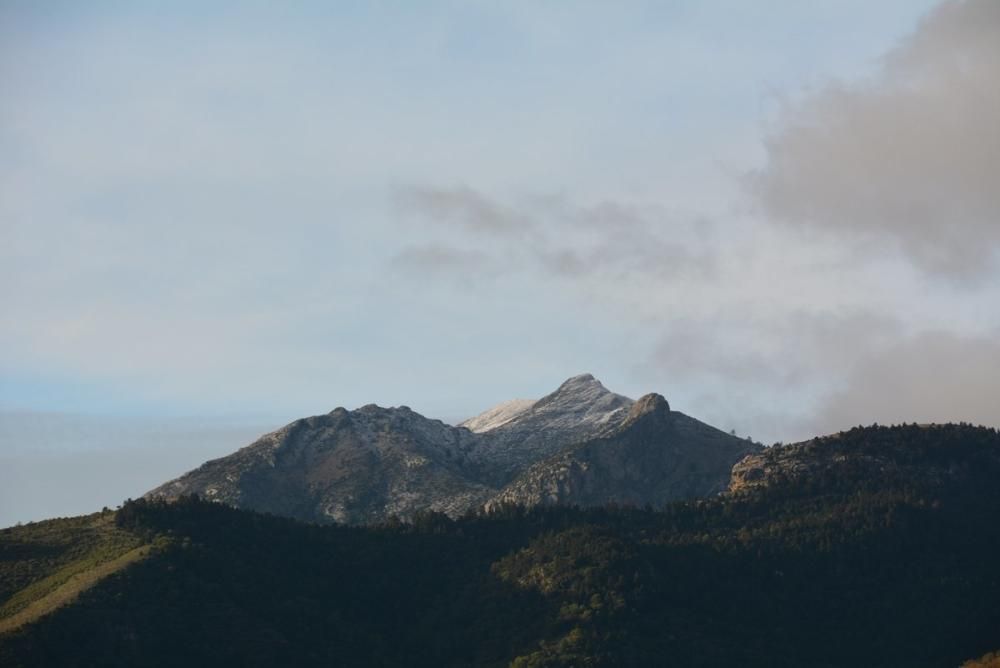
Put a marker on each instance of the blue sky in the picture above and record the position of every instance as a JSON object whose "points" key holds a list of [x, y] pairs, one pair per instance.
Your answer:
{"points": [[268, 210]]}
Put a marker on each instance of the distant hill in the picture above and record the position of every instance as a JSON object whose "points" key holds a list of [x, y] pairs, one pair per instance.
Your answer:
{"points": [[875, 547], [374, 463]]}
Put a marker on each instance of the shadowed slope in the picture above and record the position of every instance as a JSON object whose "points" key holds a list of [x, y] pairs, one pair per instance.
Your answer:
{"points": [[652, 457]]}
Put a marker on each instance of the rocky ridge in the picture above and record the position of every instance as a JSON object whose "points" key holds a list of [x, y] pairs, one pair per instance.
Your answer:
{"points": [[581, 444], [653, 456], [915, 455], [579, 409], [346, 466]]}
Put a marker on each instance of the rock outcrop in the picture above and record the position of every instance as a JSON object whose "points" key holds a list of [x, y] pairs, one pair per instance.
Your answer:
{"points": [[916, 456]]}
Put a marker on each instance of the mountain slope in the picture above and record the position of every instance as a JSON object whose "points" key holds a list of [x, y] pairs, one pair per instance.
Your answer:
{"points": [[653, 456], [498, 415], [881, 553], [46, 565], [924, 456], [347, 466], [579, 409], [373, 463]]}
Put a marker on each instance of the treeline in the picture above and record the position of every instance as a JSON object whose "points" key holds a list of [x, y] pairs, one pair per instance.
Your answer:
{"points": [[885, 556]]}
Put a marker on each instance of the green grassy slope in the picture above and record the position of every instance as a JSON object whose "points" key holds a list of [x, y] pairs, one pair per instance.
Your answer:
{"points": [[44, 565]]}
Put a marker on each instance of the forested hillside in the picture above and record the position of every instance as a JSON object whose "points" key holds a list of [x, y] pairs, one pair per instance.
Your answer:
{"points": [[875, 548]]}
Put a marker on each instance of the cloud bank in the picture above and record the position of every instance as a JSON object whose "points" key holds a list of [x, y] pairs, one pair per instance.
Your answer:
{"points": [[478, 234], [934, 376], [910, 157]]}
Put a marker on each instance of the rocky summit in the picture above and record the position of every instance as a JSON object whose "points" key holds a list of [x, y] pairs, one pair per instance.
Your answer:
{"points": [[581, 444], [580, 409], [352, 467], [652, 456]]}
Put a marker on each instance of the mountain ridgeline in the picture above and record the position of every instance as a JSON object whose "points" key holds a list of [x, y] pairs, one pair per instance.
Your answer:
{"points": [[580, 445]]}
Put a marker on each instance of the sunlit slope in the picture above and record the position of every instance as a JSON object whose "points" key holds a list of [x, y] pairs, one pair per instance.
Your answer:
{"points": [[45, 565]]}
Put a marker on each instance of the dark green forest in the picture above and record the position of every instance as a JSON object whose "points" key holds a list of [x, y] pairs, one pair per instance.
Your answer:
{"points": [[887, 553]]}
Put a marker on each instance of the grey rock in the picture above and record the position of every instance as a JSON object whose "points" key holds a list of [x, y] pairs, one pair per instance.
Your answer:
{"points": [[578, 410], [582, 444], [347, 466], [653, 456]]}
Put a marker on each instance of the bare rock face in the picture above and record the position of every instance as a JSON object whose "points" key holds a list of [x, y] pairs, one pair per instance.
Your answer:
{"points": [[579, 409], [497, 416], [347, 466], [581, 444], [653, 456]]}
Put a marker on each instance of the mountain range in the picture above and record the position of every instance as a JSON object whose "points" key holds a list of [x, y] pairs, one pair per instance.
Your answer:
{"points": [[871, 547], [579, 445], [580, 529]]}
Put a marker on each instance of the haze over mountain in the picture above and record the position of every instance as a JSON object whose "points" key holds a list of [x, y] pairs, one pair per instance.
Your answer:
{"points": [[55, 464], [579, 445]]}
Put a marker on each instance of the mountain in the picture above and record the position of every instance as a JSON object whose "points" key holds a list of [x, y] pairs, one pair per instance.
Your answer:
{"points": [[579, 409], [581, 444], [347, 466], [652, 456], [874, 547], [498, 415]]}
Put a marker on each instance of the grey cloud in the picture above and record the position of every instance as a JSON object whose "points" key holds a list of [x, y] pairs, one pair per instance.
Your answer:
{"points": [[912, 156], [462, 207], [443, 259], [565, 262], [555, 235], [760, 351], [851, 368], [931, 377], [436, 257]]}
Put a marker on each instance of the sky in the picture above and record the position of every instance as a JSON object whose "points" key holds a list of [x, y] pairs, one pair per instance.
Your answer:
{"points": [[784, 217]]}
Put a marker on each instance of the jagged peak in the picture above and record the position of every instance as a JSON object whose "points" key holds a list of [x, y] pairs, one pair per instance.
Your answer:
{"points": [[649, 403], [581, 386], [649, 410], [375, 408], [581, 380]]}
